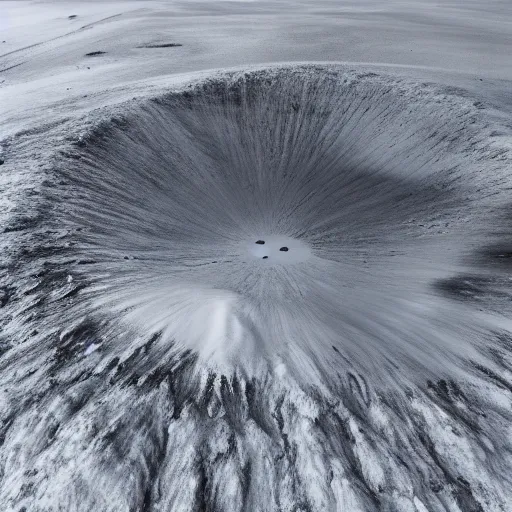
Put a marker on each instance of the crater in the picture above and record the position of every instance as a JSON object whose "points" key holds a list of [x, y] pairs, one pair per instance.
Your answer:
{"points": [[300, 271], [331, 202]]}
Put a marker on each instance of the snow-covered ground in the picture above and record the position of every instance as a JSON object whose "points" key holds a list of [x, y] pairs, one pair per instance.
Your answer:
{"points": [[43, 62], [255, 256]]}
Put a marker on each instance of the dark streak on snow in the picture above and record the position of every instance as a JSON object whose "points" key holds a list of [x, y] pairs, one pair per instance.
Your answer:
{"points": [[162, 45]]}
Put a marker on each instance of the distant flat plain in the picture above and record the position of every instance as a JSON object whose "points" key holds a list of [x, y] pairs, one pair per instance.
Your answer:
{"points": [[44, 45]]}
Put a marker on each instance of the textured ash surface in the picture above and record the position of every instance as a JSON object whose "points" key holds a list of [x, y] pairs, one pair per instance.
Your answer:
{"points": [[151, 360]]}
